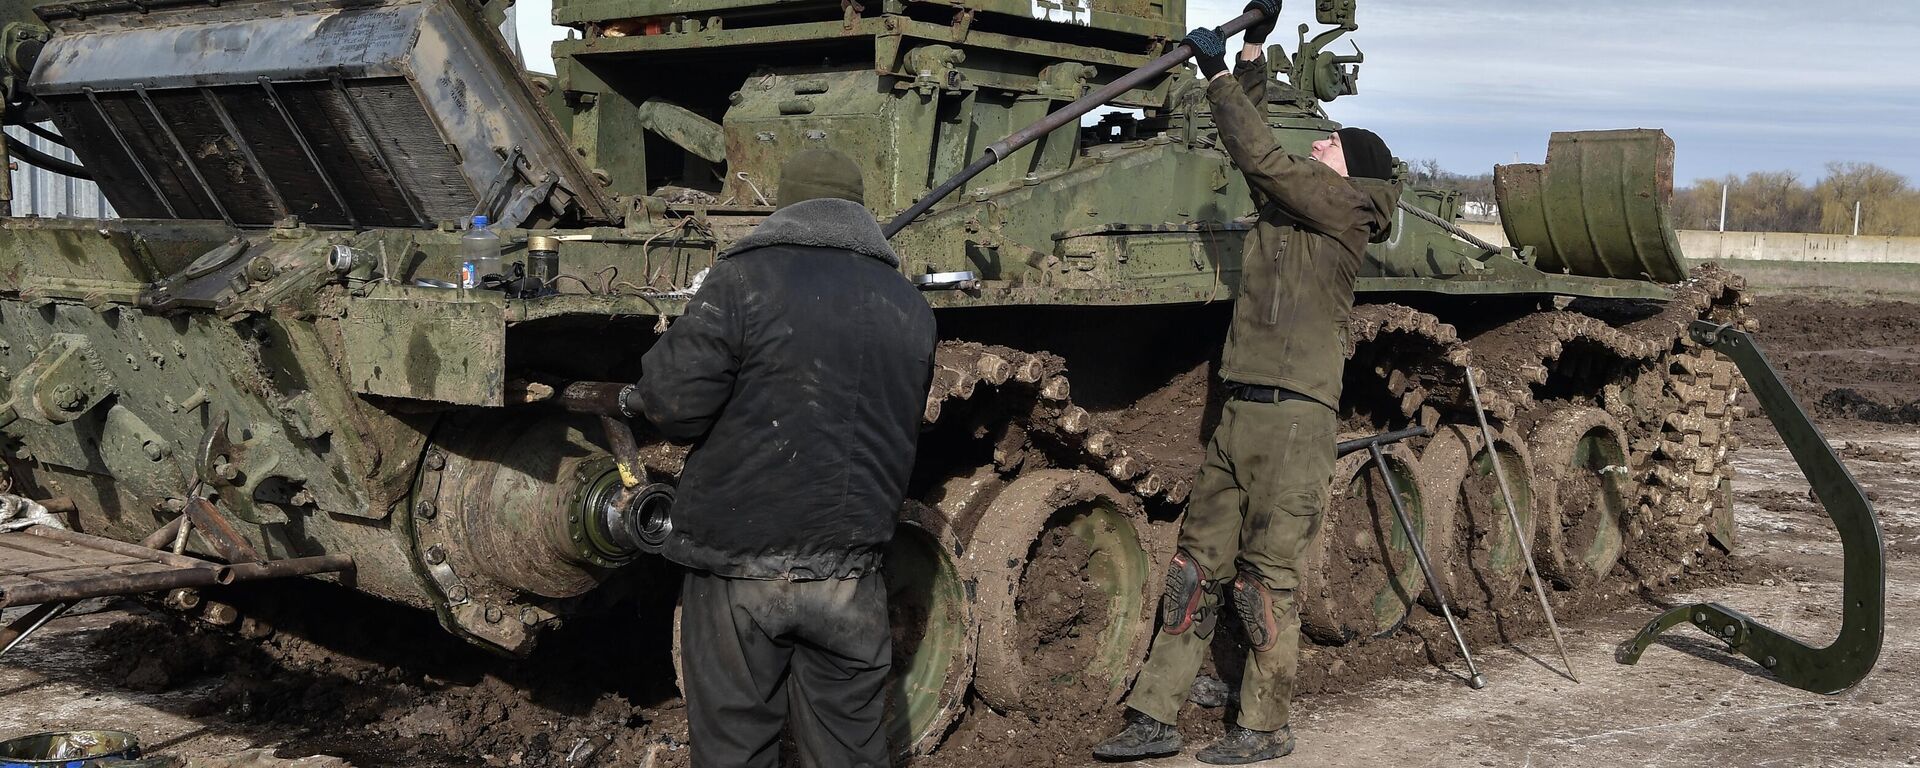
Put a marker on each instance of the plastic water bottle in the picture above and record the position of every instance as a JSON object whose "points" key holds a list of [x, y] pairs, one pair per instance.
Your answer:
{"points": [[479, 252]]}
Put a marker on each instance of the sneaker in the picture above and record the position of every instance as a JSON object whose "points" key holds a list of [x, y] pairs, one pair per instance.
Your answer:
{"points": [[1144, 737], [1245, 745]]}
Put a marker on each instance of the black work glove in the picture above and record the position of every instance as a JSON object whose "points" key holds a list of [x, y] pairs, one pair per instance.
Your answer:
{"points": [[1257, 33], [1209, 51]]}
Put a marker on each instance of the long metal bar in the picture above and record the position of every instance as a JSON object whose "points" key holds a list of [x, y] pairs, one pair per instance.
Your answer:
{"points": [[1475, 680], [122, 548], [192, 167], [31, 622], [306, 148], [297, 566], [1003, 148], [164, 534], [379, 154], [160, 581], [110, 585], [246, 149], [1362, 443], [1513, 517], [218, 532], [121, 139]]}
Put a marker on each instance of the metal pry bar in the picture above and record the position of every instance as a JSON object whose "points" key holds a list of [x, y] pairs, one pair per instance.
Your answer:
{"points": [[1513, 516], [1475, 680], [1863, 617]]}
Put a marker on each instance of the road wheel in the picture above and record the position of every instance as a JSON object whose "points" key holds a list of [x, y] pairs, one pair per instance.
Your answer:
{"points": [[1583, 481], [934, 631], [1061, 567], [1360, 576]]}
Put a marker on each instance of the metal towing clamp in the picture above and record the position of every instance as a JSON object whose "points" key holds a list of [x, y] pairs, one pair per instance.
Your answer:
{"points": [[1851, 656]]}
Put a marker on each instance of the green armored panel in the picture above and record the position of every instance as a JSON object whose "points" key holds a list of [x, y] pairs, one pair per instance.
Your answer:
{"points": [[779, 115], [1163, 18], [438, 344]]}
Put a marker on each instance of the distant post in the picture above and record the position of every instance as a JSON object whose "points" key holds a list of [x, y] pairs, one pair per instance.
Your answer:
{"points": [[1856, 218], [1723, 208]]}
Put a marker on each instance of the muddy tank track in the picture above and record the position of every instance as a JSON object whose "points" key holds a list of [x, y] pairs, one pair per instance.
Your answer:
{"points": [[1617, 425]]}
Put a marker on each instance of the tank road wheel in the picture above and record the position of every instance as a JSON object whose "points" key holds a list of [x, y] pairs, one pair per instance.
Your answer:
{"points": [[1486, 565], [1348, 589], [934, 631], [1066, 588], [1581, 455]]}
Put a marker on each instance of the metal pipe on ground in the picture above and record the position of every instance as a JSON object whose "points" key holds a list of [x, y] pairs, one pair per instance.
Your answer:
{"points": [[117, 547], [199, 576]]}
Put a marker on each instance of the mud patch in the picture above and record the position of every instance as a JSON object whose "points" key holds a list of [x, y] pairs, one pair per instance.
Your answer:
{"points": [[1062, 613], [1482, 528], [1857, 362], [1874, 453], [1170, 423], [377, 684]]}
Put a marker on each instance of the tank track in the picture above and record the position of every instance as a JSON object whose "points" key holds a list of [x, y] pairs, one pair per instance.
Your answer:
{"points": [[1628, 366]]}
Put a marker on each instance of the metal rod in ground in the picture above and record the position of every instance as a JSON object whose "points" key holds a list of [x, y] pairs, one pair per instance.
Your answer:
{"points": [[1474, 679], [1513, 516]]}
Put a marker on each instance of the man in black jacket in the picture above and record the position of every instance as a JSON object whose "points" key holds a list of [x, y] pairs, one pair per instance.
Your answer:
{"points": [[799, 370]]}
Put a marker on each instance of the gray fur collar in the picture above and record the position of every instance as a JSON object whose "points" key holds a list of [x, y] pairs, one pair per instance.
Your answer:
{"points": [[822, 223]]}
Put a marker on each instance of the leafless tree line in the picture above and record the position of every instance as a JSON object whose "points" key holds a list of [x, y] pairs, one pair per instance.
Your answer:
{"points": [[1765, 201]]}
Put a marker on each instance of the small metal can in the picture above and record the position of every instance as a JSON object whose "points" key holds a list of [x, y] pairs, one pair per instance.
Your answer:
{"points": [[543, 262]]}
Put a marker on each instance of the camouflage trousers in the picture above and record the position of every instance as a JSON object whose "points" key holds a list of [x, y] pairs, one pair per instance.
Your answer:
{"points": [[1254, 509]]}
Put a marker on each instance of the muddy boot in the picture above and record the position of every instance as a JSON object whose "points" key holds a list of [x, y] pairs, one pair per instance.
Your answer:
{"points": [[1143, 737], [1245, 745]]}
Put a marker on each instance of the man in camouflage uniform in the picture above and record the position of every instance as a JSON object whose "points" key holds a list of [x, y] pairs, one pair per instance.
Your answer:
{"points": [[1262, 492]]}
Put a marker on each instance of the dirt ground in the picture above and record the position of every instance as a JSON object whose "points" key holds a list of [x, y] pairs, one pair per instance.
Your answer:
{"points": [[379, 686]]}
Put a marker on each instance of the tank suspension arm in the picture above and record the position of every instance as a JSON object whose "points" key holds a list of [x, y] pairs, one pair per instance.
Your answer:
{"points": [[35, 157], [999, 150], [1851, 656], [1450, 227]]}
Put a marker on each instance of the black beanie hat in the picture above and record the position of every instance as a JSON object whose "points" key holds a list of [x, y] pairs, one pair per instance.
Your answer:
{"points": [[1367, 155], [816, 173]]}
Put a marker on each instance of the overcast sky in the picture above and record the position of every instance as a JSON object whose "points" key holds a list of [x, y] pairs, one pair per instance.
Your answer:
{"points": [[1741, 85]]}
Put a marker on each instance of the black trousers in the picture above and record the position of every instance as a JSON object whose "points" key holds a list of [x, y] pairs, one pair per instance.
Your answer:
{"points": [[811, 656]]}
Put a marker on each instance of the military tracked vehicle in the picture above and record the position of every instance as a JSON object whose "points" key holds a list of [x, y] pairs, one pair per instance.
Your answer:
{"points": [[269, 362]]}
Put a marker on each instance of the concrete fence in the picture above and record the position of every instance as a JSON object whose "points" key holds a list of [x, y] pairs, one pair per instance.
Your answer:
{"points": [[1771, 246]]}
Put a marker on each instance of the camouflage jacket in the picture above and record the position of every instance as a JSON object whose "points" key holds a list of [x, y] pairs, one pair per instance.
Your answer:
{"points": [[1297, 270]]}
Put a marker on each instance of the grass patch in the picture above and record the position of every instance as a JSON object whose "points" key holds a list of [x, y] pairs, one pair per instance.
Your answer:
{"points": [[1829, 280]]}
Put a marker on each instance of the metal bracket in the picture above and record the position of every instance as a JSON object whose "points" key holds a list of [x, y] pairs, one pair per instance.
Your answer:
{"points": [[502, 185], [233, 473], [1851, 656]]}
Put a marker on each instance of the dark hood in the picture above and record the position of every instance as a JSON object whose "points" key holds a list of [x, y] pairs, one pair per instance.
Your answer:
{"points": [[821, 223]]}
